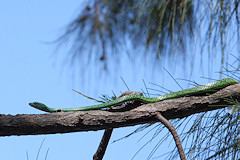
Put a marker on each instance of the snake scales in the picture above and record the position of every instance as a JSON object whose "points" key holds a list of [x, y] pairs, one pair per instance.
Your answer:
{"points": [[207, 88]]}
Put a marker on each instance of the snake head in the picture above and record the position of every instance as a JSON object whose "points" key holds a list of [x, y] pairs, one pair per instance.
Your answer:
{"points": [[39, 106]]}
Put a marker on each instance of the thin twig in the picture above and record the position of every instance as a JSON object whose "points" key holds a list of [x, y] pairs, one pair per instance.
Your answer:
{"points": [[174, 133], [103, 145]]}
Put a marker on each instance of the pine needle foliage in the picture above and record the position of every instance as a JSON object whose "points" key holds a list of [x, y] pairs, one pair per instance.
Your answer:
{"points": [[158, 27]]}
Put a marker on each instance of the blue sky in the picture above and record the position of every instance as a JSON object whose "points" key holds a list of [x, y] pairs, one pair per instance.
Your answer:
{"points": [[30, 71]]}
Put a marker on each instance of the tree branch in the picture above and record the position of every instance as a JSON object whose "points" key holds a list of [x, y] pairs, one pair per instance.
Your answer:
{"points": [[103, 145], [174, 133], [65, 122]]}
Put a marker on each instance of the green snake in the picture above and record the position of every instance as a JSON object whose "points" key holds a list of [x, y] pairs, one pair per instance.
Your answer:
{"points": [[207, 88]]}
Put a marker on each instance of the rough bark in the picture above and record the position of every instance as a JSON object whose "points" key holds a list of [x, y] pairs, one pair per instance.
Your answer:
{"points": [[64, 122]]}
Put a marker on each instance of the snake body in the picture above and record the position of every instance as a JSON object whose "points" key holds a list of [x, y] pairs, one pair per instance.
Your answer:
{"points": [[207, 88]]}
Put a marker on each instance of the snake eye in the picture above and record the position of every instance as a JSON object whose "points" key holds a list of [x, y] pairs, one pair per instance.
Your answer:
{"points": [[36, 103]]}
